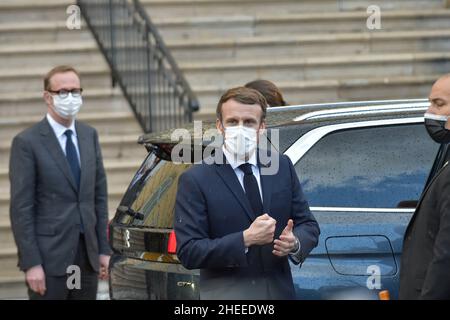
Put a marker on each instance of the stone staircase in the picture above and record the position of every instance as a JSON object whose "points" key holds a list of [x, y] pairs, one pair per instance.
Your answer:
{"points": [[314, 50], [34, 38]]}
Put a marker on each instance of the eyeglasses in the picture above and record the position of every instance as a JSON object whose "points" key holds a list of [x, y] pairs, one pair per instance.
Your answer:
{"points": [[63, 93]]}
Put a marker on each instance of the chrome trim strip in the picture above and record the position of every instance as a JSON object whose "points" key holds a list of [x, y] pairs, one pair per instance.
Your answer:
{"points": [[345, 104], [362, 110], [347, 209], [144, 229], [156, 266], [307, 141]]}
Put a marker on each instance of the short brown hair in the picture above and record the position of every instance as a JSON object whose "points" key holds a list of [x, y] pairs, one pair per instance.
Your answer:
{"points": [[245, 96], [269, 90], [55, 70]]}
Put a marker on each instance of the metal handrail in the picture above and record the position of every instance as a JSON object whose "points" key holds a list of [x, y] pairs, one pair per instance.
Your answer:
{"points": [[140, 63]]}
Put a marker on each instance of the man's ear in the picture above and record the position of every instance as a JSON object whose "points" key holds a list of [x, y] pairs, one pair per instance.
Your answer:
{"points": [[47, 98], [262, 126], [219, 126]]}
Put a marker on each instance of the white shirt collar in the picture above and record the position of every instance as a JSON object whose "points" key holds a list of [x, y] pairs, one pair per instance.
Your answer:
{"points": [[231, 159], [58, 128]]}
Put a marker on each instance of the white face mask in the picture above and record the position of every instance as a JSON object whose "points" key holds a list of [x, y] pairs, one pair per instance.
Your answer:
{"points": [[241, 141], [67, 107]]}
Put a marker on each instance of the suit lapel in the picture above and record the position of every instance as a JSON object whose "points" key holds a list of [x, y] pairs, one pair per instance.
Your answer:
{"points": [[85, 154], [423, 195], [54, 149], [227, 174], [431, 182]]}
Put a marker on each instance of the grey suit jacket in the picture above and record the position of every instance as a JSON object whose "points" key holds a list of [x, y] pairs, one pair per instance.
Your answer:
{"points": [[46, 207]]}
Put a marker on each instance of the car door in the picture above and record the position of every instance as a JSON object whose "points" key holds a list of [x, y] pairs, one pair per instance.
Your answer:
{"points": [[362, 181]]}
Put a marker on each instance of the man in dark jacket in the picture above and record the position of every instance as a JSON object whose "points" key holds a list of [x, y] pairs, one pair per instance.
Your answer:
{"points": [[236, 223], [425, 263]]}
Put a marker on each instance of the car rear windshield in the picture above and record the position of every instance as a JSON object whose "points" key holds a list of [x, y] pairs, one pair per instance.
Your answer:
{"points": [[152, 193]]}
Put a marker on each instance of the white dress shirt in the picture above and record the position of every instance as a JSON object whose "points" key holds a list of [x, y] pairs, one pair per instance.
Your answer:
{"points": [[59, 131]]}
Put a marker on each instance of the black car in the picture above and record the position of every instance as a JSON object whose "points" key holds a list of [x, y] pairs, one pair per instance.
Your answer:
{"points": [[363, 167]]}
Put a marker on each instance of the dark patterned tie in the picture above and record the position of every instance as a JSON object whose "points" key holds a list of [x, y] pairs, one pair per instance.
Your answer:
{"points": [[252, 192], [72, 158], [252, 189]]}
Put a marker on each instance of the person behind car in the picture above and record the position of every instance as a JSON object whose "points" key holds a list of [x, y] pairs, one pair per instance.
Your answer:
{"points": [[270, 91], [425, 262], [237, 224]]}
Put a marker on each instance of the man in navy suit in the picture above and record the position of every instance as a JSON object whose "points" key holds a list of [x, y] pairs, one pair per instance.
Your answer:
{"points": [[236, 223]]}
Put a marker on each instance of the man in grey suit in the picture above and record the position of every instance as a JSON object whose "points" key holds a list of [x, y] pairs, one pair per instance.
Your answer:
{"points": [[58, 206]]}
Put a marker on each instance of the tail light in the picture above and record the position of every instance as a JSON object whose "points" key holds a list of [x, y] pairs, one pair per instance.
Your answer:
{"points": [[172, 243]]}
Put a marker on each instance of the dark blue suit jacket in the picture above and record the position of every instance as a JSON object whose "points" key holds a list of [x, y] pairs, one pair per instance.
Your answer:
{"points": [[211, 213]]}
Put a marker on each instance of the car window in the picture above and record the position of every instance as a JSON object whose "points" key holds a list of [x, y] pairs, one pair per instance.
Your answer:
{"points": [[152, 193], [375, 167]]}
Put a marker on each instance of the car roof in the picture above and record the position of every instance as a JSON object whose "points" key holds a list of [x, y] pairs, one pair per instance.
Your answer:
{"points": [[312, 114]]}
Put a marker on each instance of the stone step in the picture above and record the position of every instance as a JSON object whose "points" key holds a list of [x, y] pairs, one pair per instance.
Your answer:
{"points": [[115, 194], [303, 23], [12, 80], [96, 102], [45, 10], [242, 48], [237, 25], [327, 90], [285, 46], [48, 54], [31, 103], [13, 287], [29, 10], [35, 32], [118, 174], [41, 31], [6, 236], [234, 73], [170, 8], [115, 147], [332, 90], [108, 123], [8, 262]]}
